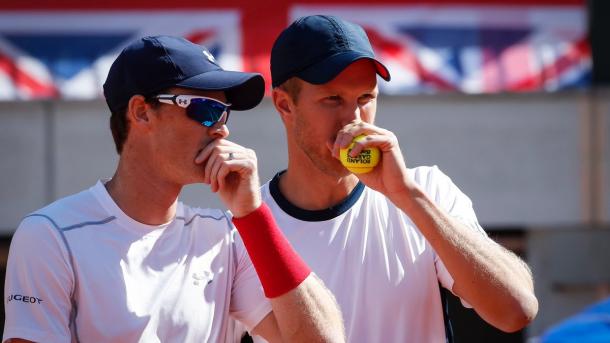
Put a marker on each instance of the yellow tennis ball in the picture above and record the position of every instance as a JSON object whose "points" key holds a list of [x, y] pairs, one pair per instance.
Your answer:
{"points": [[364, 162]]}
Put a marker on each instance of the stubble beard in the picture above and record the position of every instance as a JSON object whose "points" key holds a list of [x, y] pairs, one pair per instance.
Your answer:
{"points": [[317, 152], [182, 170]]}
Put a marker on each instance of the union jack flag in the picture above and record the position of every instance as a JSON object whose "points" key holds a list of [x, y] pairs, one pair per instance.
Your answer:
{"points": [[478, 47], [474, 49], [68, 55]]}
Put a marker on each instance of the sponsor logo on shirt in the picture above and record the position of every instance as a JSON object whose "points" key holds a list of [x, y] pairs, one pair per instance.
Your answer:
{"points": [[23, 298]]}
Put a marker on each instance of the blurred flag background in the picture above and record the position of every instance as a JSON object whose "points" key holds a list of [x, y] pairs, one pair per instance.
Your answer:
{"points": [[470, 47]]}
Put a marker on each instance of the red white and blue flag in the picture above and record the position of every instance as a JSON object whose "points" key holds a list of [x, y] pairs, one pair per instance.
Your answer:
{"points": [[475, 49], [68, 54], [450, 45]]}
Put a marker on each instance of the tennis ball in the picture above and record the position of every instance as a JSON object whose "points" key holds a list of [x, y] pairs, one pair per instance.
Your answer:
{"points": [[364, 162]]}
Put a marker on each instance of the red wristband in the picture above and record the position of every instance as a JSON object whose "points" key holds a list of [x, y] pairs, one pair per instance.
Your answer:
{"points": [[278, 266]]}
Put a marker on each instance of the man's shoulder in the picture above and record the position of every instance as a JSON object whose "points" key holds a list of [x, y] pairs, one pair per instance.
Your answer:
{"points": [[432, 180], [77, 207], [425, 175], [59, 216]]}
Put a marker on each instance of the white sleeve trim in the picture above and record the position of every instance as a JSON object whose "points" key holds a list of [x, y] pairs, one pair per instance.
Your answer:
{"points": [[446, 279]]}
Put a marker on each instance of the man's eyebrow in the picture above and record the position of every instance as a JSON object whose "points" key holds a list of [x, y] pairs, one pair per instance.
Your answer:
{"points": [[371, 93]]}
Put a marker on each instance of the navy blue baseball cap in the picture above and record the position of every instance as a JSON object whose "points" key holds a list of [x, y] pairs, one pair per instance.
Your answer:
{"points": [[317, 48], [153, 64]]}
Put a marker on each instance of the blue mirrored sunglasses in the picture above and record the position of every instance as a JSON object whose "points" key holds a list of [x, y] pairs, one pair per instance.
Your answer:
{"points": [[204, 110]]}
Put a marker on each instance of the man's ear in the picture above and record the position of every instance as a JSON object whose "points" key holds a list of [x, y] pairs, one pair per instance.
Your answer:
{"points": [[137, 111], [283, 103]]}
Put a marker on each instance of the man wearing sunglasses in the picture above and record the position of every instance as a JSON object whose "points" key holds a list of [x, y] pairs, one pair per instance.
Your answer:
{"points": [[125, 261]]}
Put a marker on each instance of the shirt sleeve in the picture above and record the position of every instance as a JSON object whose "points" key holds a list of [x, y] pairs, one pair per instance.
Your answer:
{"points": [[248, 302], [38, 285], [457, 205]]}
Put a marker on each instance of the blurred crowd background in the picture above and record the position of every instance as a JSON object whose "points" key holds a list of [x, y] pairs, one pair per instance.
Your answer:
{"points": [[509, 98]]}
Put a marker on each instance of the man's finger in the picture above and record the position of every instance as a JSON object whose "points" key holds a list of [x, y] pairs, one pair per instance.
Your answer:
{"points": [[220, 160]]}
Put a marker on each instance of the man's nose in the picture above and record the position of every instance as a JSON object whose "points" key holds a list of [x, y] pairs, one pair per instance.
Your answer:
{"points": [[219, 131], [351, 114]]}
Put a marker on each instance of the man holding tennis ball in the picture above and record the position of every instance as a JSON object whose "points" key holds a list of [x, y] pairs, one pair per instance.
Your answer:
{"points": [[385, 239], [359, 163]]}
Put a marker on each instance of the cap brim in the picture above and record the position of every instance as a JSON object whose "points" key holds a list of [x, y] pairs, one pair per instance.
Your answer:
{"points": [[326, 70], [244, 90]]}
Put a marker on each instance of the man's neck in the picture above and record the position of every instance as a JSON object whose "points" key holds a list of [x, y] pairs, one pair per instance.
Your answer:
{"points": [[314, 190], [142, 196]]}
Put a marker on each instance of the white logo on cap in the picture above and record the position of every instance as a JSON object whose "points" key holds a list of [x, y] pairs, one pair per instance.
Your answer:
{"points": [[209, 56]]}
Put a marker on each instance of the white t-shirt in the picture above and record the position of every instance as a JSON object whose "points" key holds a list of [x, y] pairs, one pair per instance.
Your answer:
{"points": [[82, 270], [368, 252]]}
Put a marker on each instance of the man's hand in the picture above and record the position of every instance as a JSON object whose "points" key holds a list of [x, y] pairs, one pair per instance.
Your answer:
{"points": [[231, 170], [390, 175]]}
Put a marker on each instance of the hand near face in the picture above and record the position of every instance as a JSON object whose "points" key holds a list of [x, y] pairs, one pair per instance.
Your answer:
{"points": [[231, 170], [390, 175]]}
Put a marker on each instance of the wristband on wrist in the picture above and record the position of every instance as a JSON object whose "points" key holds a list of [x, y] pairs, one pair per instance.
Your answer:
{"points": [[279, 268]]}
